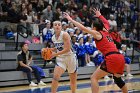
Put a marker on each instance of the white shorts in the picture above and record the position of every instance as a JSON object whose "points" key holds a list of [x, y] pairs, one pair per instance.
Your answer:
{"points": [[68, 63]]}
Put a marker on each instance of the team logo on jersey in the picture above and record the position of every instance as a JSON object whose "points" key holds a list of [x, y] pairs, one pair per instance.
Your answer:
{"points": [[59, 46]]}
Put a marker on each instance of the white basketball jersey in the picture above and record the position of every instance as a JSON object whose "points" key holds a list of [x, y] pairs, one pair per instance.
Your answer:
{"points": [[59, 44]]}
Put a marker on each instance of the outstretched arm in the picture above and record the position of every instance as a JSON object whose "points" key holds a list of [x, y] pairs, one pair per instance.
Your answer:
{"points": [[105, 22], [95, 33]]}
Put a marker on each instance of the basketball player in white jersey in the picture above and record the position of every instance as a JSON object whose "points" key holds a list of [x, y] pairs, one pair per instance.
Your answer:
{"points": [[65, 58]]}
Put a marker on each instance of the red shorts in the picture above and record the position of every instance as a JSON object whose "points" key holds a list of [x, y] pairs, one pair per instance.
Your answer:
{"points": [[113, 64]]}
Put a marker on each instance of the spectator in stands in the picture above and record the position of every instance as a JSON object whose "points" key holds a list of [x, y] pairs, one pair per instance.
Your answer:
{"points": [[84, 12], [119, 17], [112, 21], [81, 52], [133, 38], [76, 18], [47, 32], [90, 48], [40, 6], [74, 44], [105, 8], [13, 13], [6, 5], [24, 59], [48, 13], [23, 21], [71, 26], [64, 26], [70, 31], [78, 33], [57, 15], [124, 39], [127, 60], [23, 6]]}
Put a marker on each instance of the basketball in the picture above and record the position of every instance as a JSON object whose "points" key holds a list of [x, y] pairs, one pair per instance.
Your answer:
{"points": [[46, 53]]}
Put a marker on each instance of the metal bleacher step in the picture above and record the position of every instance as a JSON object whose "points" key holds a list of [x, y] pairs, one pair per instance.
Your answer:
{"points": [[3, 39]]}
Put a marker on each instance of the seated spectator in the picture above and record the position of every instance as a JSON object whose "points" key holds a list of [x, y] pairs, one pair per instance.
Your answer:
{"points": [[64, 26], [81, 52], [124, 39], [97, 58], [112, 21], [78, 33], [127, 61], [133, 38], [74, 44], [90, 49], [47, 32], [48, 13], [24, 59]]}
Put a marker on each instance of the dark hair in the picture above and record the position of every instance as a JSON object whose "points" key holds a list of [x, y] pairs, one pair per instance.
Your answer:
{"points": [[88, 37], [22, 44], [48, 44], [98, 24]]}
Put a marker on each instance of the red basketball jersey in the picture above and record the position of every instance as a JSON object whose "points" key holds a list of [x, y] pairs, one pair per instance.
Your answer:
{"points": [[116, 36], [106, 44]]}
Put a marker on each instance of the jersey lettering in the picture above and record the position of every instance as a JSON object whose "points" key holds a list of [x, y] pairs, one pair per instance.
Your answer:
{"points": [[59, 46], [109, 39]]}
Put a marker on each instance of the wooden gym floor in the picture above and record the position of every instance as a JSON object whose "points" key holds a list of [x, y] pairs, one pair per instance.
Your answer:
{"points": [[83, 86]]}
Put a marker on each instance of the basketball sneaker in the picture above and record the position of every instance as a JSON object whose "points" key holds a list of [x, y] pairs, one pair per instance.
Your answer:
{"points": [[106, 77]]}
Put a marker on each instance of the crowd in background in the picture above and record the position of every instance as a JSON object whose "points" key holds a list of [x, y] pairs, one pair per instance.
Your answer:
{"points": [[38, 15]]}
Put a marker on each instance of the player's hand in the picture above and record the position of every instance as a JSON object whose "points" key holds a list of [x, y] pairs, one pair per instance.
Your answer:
{"points": [[66, 15], [53, 55], [97, 12], [31, 69]]}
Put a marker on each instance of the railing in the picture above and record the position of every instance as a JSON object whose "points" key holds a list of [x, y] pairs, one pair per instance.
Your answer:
{"points": [[19, 29], [134, 42]]}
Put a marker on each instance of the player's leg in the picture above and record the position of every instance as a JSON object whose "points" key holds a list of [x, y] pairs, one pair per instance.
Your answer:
{"points": [[58, 71], [120, 83], [72, 65], [73, 82], [127, 65], [94, 79]]}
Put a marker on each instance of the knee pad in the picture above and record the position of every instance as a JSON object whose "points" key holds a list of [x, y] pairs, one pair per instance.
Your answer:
{"points": [[118, 80]]}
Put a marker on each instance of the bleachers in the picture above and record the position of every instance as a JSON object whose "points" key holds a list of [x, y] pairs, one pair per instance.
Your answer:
{"points": [[9, 76]]}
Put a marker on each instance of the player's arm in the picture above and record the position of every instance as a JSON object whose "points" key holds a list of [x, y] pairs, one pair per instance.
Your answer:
{"points": [[30, 59], [24, 65], [102, 18], [67, 44], [95, 33]]}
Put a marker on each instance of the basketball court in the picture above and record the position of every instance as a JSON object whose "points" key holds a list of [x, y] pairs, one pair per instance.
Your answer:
{"points": [[83, 86]]}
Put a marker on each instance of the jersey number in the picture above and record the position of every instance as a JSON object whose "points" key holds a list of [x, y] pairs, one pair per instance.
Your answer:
{"points": [[109, 39]]}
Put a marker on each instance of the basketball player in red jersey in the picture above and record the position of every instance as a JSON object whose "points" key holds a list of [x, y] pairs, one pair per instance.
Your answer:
{"points": [[114, 61]]}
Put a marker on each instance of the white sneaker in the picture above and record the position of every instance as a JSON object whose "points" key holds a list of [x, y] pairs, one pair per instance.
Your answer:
{"points": [[129, 75], [32, 84], [106, 77], [91, 63], [50, 62], [87, 64], [41, 83]]}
